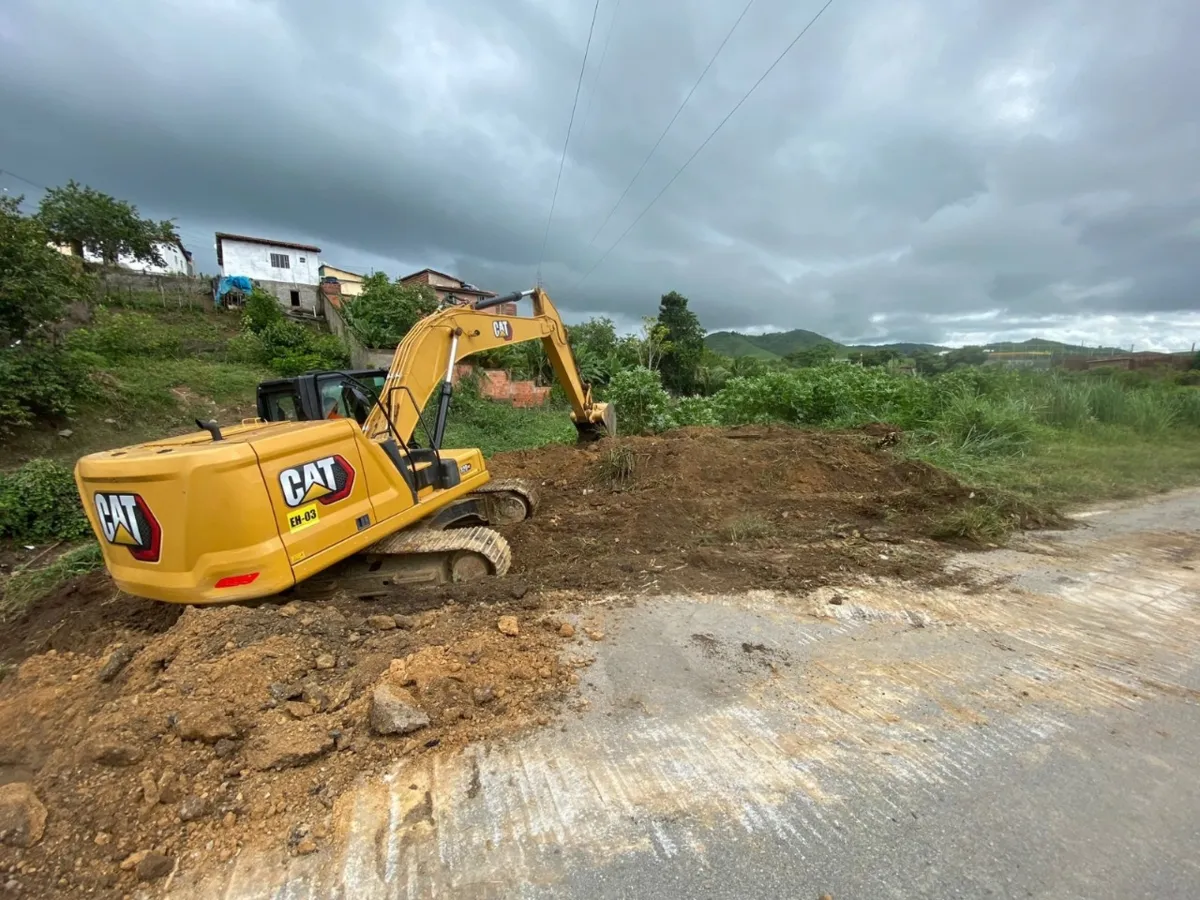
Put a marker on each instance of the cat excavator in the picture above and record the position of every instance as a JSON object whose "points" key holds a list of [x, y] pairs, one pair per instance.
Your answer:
{"points": [[313, 502]]}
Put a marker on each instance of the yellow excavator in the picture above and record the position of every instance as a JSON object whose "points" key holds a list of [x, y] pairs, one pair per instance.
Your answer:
{"points": [[251, 510]]}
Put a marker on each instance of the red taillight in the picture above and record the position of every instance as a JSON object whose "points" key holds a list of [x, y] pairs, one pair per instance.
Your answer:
{"points": [[237, 580]]}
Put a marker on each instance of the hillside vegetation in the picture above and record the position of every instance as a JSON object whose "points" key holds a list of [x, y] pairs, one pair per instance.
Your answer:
{"points": [[779, 344]]}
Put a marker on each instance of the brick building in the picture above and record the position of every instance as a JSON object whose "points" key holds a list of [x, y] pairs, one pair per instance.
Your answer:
{"points": [[454, 290]]}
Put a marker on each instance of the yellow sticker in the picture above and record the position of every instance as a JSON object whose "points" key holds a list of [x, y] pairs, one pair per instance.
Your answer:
{"points": [[303, 517]]}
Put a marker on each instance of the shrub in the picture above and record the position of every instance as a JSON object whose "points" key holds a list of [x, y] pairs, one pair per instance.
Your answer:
{"points": [[40, 502], [693, 411], [983, 425], [642, 404], [39, 380], [119, 335], [261, 311], [289, 348], [385, 311]]}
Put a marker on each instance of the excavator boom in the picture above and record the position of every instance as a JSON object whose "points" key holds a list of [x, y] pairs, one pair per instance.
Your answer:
{"points": [[427, 355]]}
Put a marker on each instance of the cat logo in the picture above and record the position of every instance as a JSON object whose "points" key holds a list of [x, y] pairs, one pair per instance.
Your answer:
{"points": [[502, 329], [126, 521], [326, 480]]}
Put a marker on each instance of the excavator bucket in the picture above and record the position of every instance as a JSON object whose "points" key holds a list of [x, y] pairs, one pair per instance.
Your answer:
{"points": [[603, 423]]}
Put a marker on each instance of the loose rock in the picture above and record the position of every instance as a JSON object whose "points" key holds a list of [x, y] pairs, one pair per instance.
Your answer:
{"points": [[225, 748], [326, 661], [154, 866], [193, 808], [566, 629], [298, 710], [508, 625], [393, 711], [117, 660], [382, 623], [286, 746], [281, 692], [482, 695], [22, 815], [306, 846], [205, 723], [114, 753]]}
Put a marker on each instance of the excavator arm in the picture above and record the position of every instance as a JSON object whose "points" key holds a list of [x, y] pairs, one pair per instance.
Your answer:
{"points": [[426, 358]]}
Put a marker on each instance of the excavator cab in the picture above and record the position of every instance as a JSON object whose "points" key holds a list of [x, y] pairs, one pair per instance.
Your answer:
{"points": [[320, 395]]}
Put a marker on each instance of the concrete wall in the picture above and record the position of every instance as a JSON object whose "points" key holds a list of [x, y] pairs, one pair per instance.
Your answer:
{"points": [[254, 261], [292, 295], [172, 288]]}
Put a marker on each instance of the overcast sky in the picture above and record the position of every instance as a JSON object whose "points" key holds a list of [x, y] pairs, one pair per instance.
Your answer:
{"points": [[939, 170]]}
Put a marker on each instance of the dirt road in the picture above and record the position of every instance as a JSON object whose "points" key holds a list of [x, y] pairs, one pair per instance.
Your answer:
{"points": [[1029, 735]]}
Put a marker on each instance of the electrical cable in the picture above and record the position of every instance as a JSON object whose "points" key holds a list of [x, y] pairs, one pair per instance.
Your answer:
{"points": [[625, 192], [567, 142], [704, 143]]}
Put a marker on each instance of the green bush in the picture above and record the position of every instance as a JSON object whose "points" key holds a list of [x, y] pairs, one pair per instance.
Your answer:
{"points": [[692, 411], [39, 379], [261, 311], [289, 348], [642, 404], [983, 425], [385, 311], [40, 502], [120, 335]]}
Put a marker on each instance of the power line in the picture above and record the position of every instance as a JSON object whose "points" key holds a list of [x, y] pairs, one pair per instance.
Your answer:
{"points": [[40, 187], [625, 192], [600, 68], [704, 144], [566, 143]]}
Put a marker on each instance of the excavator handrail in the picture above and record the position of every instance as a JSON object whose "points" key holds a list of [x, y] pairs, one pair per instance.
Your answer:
{"points": [[426, 358]]}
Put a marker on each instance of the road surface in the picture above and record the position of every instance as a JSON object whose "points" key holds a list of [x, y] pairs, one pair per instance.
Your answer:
{"points": [[1032, 734]]}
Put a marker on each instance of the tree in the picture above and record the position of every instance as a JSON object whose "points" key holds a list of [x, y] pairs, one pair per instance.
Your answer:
{"points": [[652, 343], [810, 357], [598, 336], [87, 220], [966, 356], [877, 356], [386, 310], [686, 338], [38, 376], [927, 363]]}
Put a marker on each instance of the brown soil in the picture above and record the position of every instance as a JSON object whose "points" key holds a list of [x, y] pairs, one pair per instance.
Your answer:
{"points": [[176, 755], [173, 755], [713, 510]]}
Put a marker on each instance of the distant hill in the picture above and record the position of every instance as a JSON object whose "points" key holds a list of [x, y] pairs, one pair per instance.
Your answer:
{"points": [[902, 347], [776, 344], [730, 343], [764, 346]]}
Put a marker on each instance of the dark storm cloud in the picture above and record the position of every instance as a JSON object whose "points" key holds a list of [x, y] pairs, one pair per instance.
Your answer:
{"points": [[916, 170]]}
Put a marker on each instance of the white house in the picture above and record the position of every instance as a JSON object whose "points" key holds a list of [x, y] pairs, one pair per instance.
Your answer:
{"points": [[176, 260], [292, 272]]}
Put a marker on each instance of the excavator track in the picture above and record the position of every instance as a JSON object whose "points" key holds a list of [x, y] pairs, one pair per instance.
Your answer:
{"points": [[502, 501], [418, 557]]}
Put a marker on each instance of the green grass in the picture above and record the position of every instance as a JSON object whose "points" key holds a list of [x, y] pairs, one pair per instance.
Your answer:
{"points": [[27, 586], [1060, 470], [496, 428]]}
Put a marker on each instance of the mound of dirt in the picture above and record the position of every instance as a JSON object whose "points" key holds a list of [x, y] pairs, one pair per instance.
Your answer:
{"points": [[159, 737], [726, 509], [240, 726]]}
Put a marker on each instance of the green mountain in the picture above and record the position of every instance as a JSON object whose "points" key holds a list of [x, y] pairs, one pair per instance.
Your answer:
{"points": [[778, 344], [764, 346], [730, 343]]}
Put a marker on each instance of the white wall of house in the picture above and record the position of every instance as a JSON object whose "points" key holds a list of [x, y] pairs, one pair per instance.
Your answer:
{"points": [[174, 262], [254, 260]]}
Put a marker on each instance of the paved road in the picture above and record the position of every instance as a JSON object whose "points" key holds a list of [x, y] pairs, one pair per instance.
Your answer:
{"points": [[1031, 735]]}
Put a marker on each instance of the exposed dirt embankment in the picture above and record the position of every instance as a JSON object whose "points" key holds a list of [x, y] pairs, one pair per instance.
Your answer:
{"points": [[155, 737]]}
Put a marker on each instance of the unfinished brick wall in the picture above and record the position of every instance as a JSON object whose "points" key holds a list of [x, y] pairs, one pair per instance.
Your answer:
{"points": [[495, 384]]}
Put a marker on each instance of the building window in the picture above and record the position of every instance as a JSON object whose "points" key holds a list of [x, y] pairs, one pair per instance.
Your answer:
{"points": [[295, 298], [302, 259], [280, 261]]}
